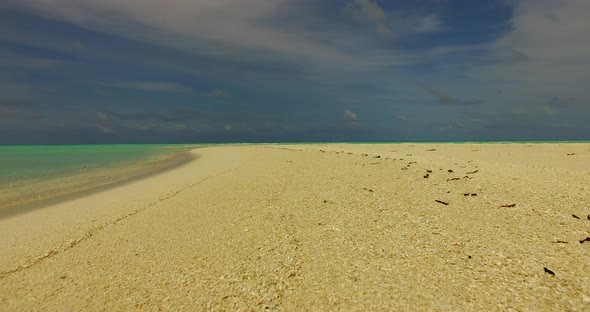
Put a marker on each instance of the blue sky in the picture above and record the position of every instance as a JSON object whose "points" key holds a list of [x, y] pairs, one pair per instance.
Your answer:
{"points": [[124, 71]]}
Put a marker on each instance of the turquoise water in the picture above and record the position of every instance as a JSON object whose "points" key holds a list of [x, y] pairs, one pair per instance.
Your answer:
{"points": [[20, 163], [33, 173]]}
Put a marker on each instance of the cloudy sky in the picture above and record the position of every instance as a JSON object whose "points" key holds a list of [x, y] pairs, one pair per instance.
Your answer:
{"points": [[114, 71]]}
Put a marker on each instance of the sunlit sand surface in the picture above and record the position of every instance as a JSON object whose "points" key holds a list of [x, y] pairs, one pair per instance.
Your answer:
{"points": [[318, 227]]}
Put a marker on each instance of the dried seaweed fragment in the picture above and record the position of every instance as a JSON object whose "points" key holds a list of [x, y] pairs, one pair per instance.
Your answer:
{"points": [[549, 271]]}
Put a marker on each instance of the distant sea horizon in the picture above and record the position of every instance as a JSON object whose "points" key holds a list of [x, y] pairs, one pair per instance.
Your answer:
{"points": [[197, 144]]}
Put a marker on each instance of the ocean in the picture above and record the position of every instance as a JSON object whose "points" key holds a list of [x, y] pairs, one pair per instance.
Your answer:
{"points": [[30, 173]]}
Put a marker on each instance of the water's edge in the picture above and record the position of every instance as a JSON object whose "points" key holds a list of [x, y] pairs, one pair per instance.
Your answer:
{"points": [[175, 161]]}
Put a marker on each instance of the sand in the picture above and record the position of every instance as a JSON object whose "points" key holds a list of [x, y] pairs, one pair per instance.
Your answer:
{"points": [[29, 194], [317, 227]]}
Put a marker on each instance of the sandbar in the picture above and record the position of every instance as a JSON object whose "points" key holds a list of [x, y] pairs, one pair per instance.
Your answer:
{"points": [[410, 227]]}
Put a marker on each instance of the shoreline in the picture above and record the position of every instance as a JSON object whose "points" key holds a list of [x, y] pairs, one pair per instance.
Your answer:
{"points": [[318, 227], [118, 177]]}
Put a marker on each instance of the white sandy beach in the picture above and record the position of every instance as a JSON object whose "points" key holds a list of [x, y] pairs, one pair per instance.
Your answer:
{"points": [[318, 227]]}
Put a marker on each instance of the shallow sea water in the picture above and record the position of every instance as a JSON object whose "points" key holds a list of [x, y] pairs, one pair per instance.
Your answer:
{"points": [[34, 172]]}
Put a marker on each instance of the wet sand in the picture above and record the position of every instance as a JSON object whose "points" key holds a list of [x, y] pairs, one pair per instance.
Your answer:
{"points": [[30, 195], [318, 227]]}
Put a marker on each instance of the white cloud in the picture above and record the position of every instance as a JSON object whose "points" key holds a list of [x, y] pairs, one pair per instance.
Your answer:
{"points": [[544, 53], [547, 44], [246, 30], [214, 27], [102, 116], [429, 24], [369, 11], [350, 115], [392, 24]]}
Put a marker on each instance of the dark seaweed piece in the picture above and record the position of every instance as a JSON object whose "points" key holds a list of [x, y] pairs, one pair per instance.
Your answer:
{"points": [[428, 170], [588, 217], [587, 239], [472, 172], [453, 179], [508, 206], [426, 176], [549, 271], [572, 154], [441, 202], [431, 150], [366, 189], [451, 171], [377, 156], [575, 216], [473, 194], [465, 194], [561, 242]]}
